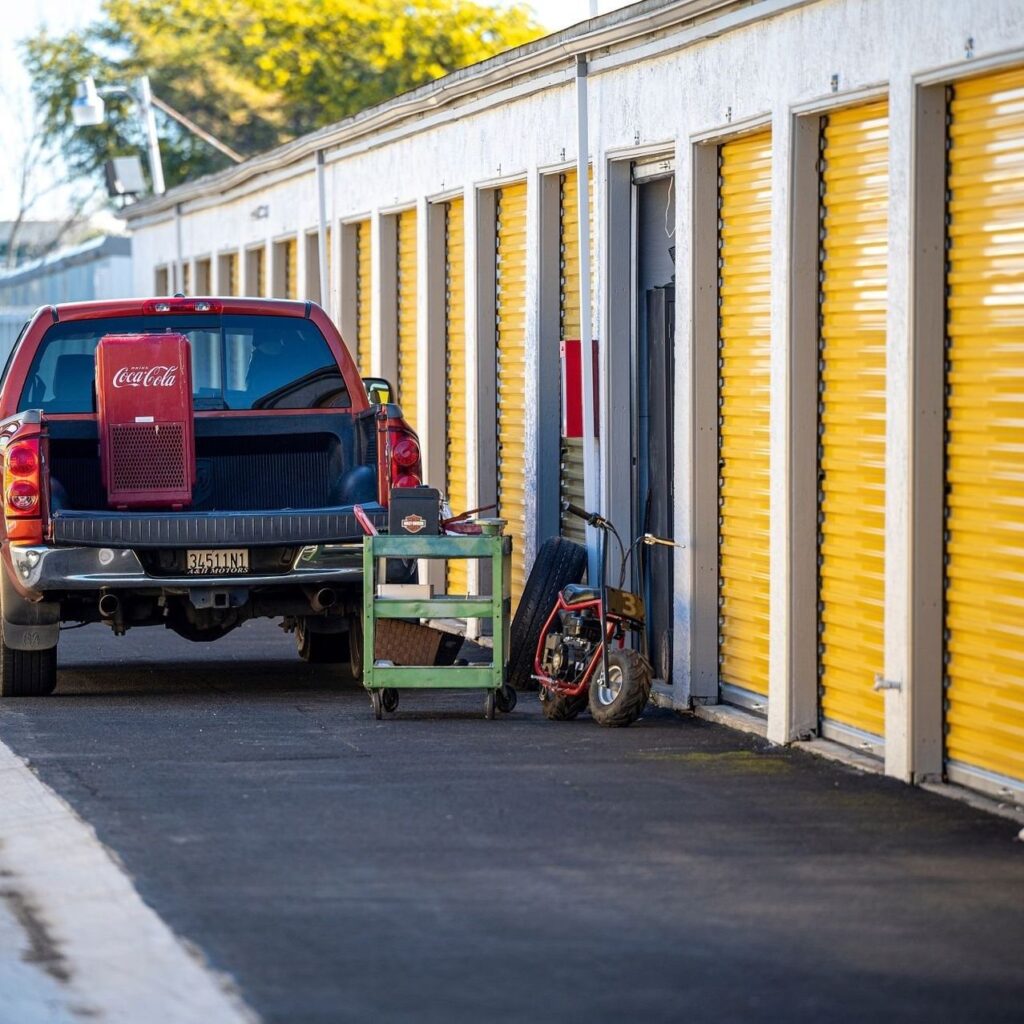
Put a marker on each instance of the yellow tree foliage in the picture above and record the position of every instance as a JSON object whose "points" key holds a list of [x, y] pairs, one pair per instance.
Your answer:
{"points": [[257, 73]]}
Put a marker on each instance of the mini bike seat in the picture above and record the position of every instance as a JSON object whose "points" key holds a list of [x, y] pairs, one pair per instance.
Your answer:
{"points": [[577, 592]]}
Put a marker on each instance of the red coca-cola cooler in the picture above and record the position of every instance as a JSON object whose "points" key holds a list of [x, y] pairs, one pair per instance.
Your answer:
{"points": [[144, 402]]}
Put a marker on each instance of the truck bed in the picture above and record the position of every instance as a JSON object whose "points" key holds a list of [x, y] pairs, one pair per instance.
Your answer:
{"points": [[309, 462]]}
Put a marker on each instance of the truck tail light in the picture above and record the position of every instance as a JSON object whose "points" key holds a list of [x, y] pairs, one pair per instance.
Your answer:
{"points": [[23, 497], [182, 305], [406, 452], [406, 467], [23, 491], [399, 461]]}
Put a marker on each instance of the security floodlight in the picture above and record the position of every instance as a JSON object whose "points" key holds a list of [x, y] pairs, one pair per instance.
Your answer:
{"points": [[124, 176], [87, 108]]}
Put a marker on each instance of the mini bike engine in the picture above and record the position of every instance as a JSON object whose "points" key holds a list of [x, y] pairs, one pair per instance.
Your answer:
{"points": [[567, 654]]}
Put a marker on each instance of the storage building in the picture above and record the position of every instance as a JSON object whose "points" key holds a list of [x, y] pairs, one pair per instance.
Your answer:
{"points": [[807, 292]]}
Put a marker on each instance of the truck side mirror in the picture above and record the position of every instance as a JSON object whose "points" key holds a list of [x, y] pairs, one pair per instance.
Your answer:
{"points": [[378, 390]]}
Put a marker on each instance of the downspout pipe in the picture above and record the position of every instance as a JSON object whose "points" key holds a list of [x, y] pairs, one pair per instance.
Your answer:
{"points": [[178, 284], [321, 191], [591, 452]]}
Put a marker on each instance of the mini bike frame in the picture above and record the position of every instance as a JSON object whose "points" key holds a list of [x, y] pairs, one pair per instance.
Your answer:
{"points": [[613, 623]]}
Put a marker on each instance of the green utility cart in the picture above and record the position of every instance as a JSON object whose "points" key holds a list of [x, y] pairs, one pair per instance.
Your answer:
{"points": [[382, 678]]}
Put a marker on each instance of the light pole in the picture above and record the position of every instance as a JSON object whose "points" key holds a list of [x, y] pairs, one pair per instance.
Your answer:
{"points": [[88, 109], [156, 165]]}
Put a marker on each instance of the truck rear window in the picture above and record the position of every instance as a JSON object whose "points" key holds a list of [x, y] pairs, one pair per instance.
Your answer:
{"points": [[238, 362]]}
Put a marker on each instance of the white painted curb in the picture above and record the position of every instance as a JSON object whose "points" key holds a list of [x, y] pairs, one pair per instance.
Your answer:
{"points": [[115, 959]]}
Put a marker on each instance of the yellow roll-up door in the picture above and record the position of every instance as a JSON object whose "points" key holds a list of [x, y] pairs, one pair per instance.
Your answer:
{"points": [[259, 269], [851, 410], [406, 291], [744, 341], [327, 286], [256, 285], [363, 277], [569, 255], [456, 389], [203, 273], [571, 462], [291, 269], [510, 336], [985, 431]]}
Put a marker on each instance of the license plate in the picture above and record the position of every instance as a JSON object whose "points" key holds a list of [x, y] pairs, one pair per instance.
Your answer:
{"points": [[218, 562]]}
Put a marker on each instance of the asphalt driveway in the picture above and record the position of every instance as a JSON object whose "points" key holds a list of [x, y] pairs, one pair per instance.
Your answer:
{"points": [[439, 867]]}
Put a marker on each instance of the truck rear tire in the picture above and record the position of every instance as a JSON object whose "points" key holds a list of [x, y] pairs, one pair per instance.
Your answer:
{"points": [[559, 563], [321, 648], [355, 646], [27, 673]]}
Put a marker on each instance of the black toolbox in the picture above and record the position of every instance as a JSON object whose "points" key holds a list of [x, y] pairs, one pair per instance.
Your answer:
{"points": [[414, 510]]}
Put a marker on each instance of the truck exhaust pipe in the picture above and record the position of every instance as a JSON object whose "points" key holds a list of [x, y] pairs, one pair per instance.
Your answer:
{"points": [[323, 599], [110, 605]]}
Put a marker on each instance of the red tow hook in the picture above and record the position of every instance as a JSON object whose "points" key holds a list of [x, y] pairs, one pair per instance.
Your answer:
{"points": [[364, 521]]}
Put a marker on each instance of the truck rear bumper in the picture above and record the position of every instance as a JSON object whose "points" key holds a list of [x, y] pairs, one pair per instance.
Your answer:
{"points": [[41, 570], [190, 529]]}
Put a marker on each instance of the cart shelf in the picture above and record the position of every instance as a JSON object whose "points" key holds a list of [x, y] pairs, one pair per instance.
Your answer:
{"points": [[383, 679]]}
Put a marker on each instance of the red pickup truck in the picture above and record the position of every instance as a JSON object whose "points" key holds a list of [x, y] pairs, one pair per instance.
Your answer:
{"points": [[278, 442]]}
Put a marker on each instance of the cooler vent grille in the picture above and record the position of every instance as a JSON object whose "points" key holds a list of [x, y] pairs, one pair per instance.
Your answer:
{"points": [[148, 457]]}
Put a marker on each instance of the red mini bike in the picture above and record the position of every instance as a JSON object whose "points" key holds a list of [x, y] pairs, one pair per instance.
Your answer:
{"points": [[581, 653]]}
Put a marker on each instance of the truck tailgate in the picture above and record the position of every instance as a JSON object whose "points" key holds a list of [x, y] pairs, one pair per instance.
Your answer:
{"points": [[211, 529]]}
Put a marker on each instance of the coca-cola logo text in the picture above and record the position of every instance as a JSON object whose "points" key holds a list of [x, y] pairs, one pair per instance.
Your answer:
{"points": [[146, 377]]}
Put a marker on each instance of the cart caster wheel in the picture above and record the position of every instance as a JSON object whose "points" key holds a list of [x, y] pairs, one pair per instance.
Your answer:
{"points": [[389, 699], [506, 699], [489, 705], [377, 702]]}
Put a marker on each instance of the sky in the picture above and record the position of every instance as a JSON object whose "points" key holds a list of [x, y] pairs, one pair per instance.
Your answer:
{"points": [[23, 17]]}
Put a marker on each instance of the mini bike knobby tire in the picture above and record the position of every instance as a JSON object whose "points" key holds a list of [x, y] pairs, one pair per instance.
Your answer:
{"points": [[27, 673], [624, 701], [558, 563], [557, 708]]}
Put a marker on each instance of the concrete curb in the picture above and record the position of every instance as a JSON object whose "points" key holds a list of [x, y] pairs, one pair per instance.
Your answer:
{"points": [[745, 721], [93, 949], [733, 717]]}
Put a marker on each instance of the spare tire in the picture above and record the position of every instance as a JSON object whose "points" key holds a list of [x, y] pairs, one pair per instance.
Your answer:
{"points": [[559, 563]]}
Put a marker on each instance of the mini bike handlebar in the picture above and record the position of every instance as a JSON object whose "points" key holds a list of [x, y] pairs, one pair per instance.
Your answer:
{"points": [[591, 518]]}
